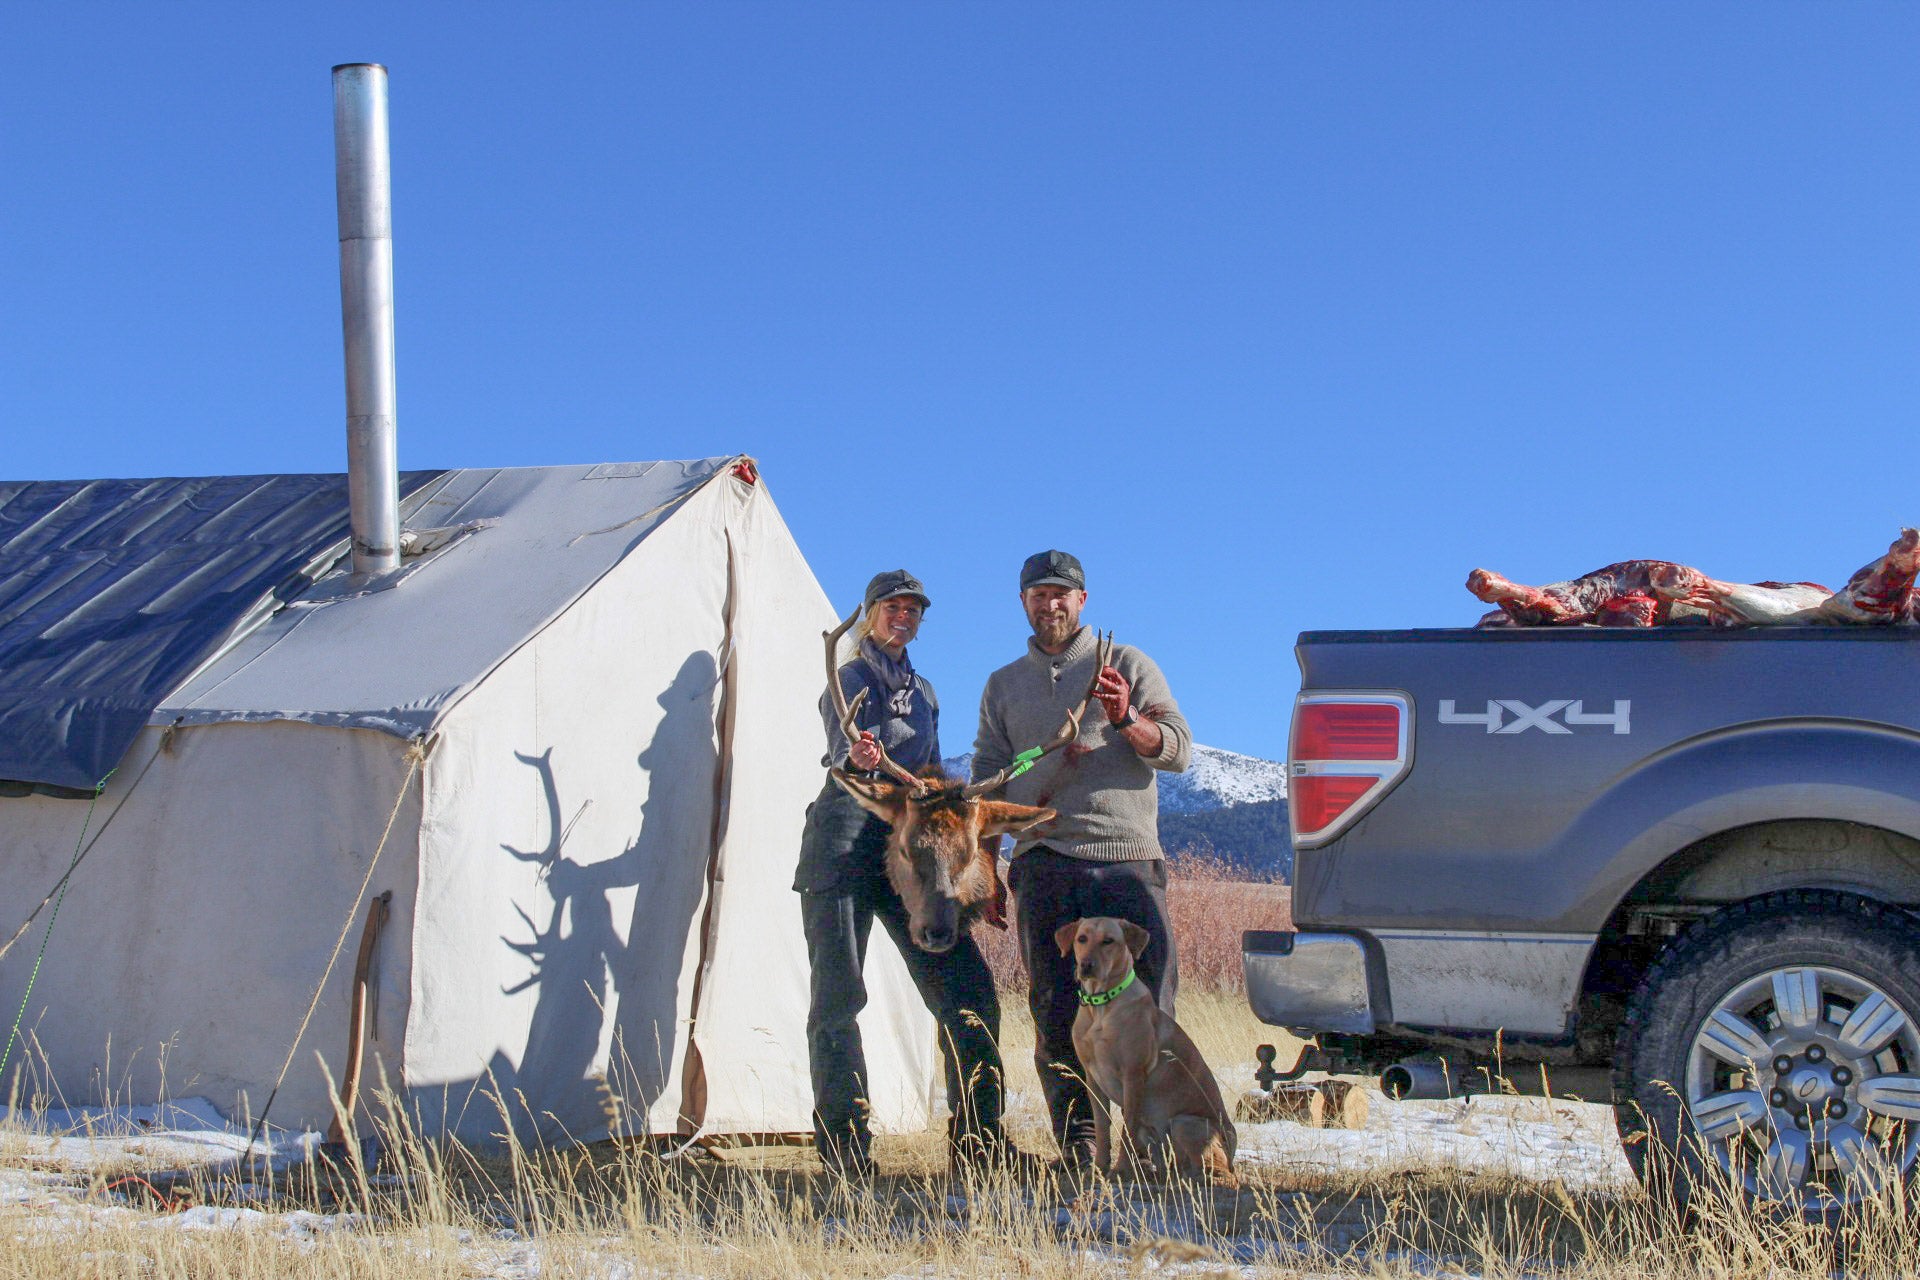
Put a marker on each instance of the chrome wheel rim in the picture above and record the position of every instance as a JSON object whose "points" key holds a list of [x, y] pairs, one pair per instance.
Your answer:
{"points": [[1805, 1084]]}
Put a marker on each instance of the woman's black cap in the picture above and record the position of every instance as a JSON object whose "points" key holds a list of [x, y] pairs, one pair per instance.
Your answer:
{"points": [[894, 582]]}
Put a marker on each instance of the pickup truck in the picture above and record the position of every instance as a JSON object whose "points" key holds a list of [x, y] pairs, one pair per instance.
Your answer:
{"points": [[1675, 866]]}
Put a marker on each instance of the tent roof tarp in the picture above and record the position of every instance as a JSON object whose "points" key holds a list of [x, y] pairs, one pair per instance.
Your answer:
{"points": [[533, 541], [113, 591], [221, 598]]}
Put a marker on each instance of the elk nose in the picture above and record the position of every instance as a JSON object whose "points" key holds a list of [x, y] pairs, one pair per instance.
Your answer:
{"points": [[938, 938]]}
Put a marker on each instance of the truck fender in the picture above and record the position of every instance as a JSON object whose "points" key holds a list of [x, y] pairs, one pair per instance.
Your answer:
{"points": [[1768, 771]]}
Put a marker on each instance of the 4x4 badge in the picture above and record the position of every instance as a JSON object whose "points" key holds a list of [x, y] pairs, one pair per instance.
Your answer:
{"points": [[1571, 712]]}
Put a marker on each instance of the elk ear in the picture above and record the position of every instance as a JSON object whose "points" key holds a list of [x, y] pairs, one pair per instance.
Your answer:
{"points": [[1137, 938], [884, 800], [1063, 936], [998, 817]]}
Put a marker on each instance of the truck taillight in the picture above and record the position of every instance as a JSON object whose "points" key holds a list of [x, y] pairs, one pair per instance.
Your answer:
{"points": [[1346, 731], [1347, 751], [1315, 802]]}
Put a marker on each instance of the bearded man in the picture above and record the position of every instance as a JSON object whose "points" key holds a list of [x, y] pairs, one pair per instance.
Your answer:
{"points": [[1102, 856]]}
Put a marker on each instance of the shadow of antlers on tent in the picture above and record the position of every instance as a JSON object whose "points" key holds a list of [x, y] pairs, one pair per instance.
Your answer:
{"points": [[940, 853]]}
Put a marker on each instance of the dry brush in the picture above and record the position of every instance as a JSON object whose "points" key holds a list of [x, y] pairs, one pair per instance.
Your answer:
{"points": [[1211, 903]]}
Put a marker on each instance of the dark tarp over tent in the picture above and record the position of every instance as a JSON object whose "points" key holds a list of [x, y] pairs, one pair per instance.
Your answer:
{"points": [[113, 591]]}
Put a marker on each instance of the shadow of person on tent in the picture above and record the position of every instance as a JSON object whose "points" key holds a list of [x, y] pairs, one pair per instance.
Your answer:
{"points": [[586, 969], [671, 855]]}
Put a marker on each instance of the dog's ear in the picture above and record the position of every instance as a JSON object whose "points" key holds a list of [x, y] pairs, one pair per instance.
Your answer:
{"points": [[1063, 936], [886, 801], [1137, 938]]}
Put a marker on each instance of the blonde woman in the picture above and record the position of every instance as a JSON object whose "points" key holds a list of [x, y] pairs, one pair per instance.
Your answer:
{"points": [[843, 889]]}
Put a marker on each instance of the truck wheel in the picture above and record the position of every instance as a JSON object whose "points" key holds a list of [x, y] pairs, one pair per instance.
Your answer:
{"points": [[1773, 1050]]}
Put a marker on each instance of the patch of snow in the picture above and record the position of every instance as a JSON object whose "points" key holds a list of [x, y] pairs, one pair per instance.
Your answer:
{"points": [[190, 1114], [1535, 1139], [206, 1217], [175, 1134]]}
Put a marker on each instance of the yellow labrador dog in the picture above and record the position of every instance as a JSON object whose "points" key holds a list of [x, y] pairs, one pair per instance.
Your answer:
{"points": [[1137, 1056]]}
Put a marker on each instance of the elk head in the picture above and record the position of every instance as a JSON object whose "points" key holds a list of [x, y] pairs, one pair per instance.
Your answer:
{"points": [[941, 852]]}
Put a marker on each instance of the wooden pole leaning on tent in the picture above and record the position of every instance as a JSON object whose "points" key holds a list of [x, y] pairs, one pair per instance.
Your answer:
{"points": [[337, 1138]]}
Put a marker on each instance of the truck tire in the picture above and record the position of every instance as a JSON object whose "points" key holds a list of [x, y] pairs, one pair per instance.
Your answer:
{"points": [[1773, 1051]]}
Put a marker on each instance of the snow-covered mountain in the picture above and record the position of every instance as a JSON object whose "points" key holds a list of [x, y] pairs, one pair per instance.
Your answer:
{"points": [[1226, 804], [1214, 779]]}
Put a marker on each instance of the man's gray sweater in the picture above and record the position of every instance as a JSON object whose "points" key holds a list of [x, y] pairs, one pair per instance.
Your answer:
{"points": [[1101, 787]]}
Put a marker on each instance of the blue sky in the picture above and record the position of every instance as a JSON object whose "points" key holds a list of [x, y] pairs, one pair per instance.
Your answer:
{"points": [[1282, 317]]}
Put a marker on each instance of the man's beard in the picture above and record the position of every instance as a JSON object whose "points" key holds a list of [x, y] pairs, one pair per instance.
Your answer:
{"points": [[1053, 630]]}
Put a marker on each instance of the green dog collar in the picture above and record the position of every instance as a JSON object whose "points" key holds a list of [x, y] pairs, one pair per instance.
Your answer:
{"points": [[1106, 996]]}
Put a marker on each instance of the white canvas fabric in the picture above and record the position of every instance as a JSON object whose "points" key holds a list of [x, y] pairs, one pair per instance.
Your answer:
{"points": [[592, 920], [754, 990], [184, 954]]}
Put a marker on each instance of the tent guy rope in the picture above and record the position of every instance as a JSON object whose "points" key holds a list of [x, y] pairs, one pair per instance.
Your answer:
{"points": [[58, 893], [417, 752], [79, 852], [60, 885]]}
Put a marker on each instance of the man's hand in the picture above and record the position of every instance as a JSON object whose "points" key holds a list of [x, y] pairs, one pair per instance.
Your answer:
{"points": [[1113, 691], [864, 754], [1143, 735]]}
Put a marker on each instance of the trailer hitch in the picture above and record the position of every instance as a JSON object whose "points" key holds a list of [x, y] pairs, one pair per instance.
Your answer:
{"points": [[1312, 1058]]}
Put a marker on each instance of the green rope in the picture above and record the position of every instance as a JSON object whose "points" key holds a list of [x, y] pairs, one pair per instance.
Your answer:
{"points": [[78, 850]]}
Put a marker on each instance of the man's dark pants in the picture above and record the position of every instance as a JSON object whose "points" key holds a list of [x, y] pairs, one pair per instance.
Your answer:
{"points": [[956, 985], [1050, 889]]}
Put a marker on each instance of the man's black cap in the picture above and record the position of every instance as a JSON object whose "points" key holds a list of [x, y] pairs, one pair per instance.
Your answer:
{"points": [[1053, 567], [894, 582]]}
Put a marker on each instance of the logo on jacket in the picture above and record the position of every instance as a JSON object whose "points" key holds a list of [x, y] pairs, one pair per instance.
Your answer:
{"points": [[901, 701], [1572, 712]]}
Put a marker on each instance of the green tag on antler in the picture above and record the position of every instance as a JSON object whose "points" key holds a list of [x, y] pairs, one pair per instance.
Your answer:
{"points": [[1024, 761]]}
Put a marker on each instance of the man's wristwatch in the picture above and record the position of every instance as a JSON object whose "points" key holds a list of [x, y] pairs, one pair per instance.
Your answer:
{"points": [[1128, 720]]}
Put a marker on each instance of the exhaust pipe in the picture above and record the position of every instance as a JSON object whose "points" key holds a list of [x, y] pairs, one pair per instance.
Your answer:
{"points": [[1415, 1079], [1419, 1078], [363, 184]]}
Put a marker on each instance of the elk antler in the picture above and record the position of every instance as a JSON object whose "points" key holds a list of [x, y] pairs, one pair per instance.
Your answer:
{"points": [[1068, 731], [848, 710]]}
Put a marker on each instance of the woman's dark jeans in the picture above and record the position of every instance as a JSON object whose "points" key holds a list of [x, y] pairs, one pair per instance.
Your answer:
{"points": [[957, 988]]}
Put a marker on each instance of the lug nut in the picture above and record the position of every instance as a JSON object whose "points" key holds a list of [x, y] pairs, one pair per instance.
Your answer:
{"points": [[1815, 1053], [1836, 1109], [1778, 1097], [1783, 1064], [1802, 1121], [1842, 1076]]}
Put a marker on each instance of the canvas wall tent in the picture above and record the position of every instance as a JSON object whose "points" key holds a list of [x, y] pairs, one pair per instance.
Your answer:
{"points": [[588, 707]]}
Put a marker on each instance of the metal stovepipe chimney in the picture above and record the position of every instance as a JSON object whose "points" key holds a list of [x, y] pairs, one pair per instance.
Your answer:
{"points": [[362, 179]]}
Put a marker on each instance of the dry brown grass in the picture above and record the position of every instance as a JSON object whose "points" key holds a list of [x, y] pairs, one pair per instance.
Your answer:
{"points": [[1211, 904], [443, 1212], [606, 1211]]}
